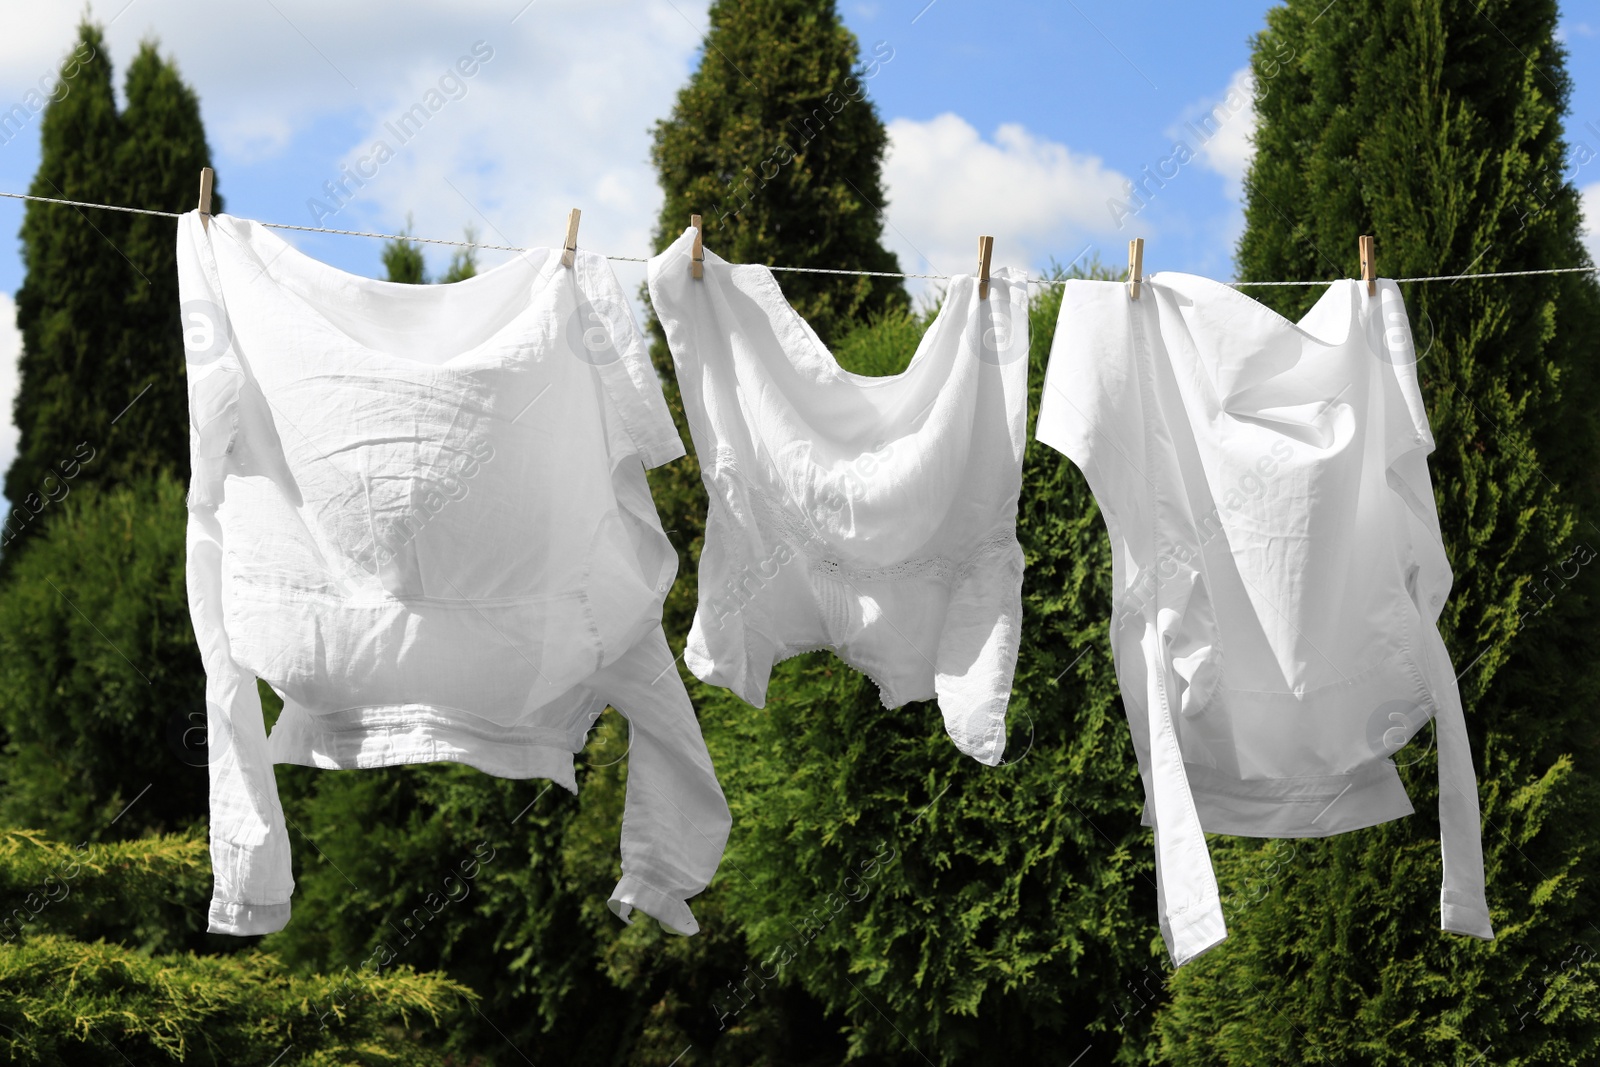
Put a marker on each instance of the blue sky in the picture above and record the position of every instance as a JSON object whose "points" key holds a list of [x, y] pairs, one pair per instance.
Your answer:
{"points": [[1100, 82], [1019, 120]]}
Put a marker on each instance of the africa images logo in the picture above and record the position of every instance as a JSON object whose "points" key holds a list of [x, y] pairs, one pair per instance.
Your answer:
{"points": [[593, 328], [206, 332]]}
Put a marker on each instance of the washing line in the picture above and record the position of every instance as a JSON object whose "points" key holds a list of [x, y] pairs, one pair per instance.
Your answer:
{"points": [[796, 270]]}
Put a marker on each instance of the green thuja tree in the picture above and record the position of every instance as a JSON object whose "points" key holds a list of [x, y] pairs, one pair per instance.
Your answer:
{"points": [[102, 694], [1436, 126], [158, 165], [775, 142], [1010, 916], [102, 369]]}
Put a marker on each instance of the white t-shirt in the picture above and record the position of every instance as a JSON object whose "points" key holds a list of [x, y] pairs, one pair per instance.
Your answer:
{"points": [[1278, 570], [420, 514], [874, 516]]}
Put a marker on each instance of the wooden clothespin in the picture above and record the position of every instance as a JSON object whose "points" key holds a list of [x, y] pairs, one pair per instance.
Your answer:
{"points": [[697, 255], [1135, 266], [207, 177], [569, 249], [985, 251], [1369, 263]]}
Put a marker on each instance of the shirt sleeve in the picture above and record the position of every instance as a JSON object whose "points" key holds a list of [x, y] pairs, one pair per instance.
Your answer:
{"points": [[1093, 411], [675, 821], [1408, 441], [249, 842]]}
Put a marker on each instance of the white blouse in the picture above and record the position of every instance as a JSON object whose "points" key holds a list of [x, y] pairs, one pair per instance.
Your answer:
{"points": [[1278, 570], [420, 514], [874, 516]]}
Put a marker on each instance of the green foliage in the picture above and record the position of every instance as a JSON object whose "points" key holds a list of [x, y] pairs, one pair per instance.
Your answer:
{"points": [[529, 926], [67, 1002], [767, 65], [130, 891], [99, 673], [445, 867], [884, 900], [1436, 126], [402, 259], [463, 261], [101, 686], [102, 369], [776, 144], [884, 344]]}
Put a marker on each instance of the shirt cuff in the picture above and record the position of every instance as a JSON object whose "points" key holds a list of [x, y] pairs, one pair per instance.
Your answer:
{"points": [[1469, 919], [1195, 932], [671, 912], [244, 920]]}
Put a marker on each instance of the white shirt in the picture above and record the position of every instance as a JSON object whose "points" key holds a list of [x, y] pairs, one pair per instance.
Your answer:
{"points": [[1278, 571], [420, 514], [874, 516]]}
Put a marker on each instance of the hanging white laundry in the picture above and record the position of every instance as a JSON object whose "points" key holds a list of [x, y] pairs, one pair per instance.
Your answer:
{"points": [[1278, 570], [420, 514], [872, 516]]}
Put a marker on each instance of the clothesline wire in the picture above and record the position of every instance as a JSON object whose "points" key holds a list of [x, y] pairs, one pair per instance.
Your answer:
{"points": [[797, 270]]}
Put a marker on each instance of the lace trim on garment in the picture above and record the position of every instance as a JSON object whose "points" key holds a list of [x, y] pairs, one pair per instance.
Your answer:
{"points": [[776, 515]]}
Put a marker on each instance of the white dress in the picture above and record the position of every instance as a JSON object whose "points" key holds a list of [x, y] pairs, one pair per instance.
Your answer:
{"points": [[1278, 570], [420, 514], [874, 516]]}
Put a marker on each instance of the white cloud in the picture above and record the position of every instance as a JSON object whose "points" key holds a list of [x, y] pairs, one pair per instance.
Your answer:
{"points": [[10, 351], [252, 135], [540, 128], [1591, 220], [559, 118], [946, 185], [1226, 128]]}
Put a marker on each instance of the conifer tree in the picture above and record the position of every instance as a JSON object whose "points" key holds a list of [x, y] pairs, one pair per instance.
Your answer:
{"points": [[403, 261], [101, 370], [775, 143], [102, 693], [159, 160], [1436, 126]]}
